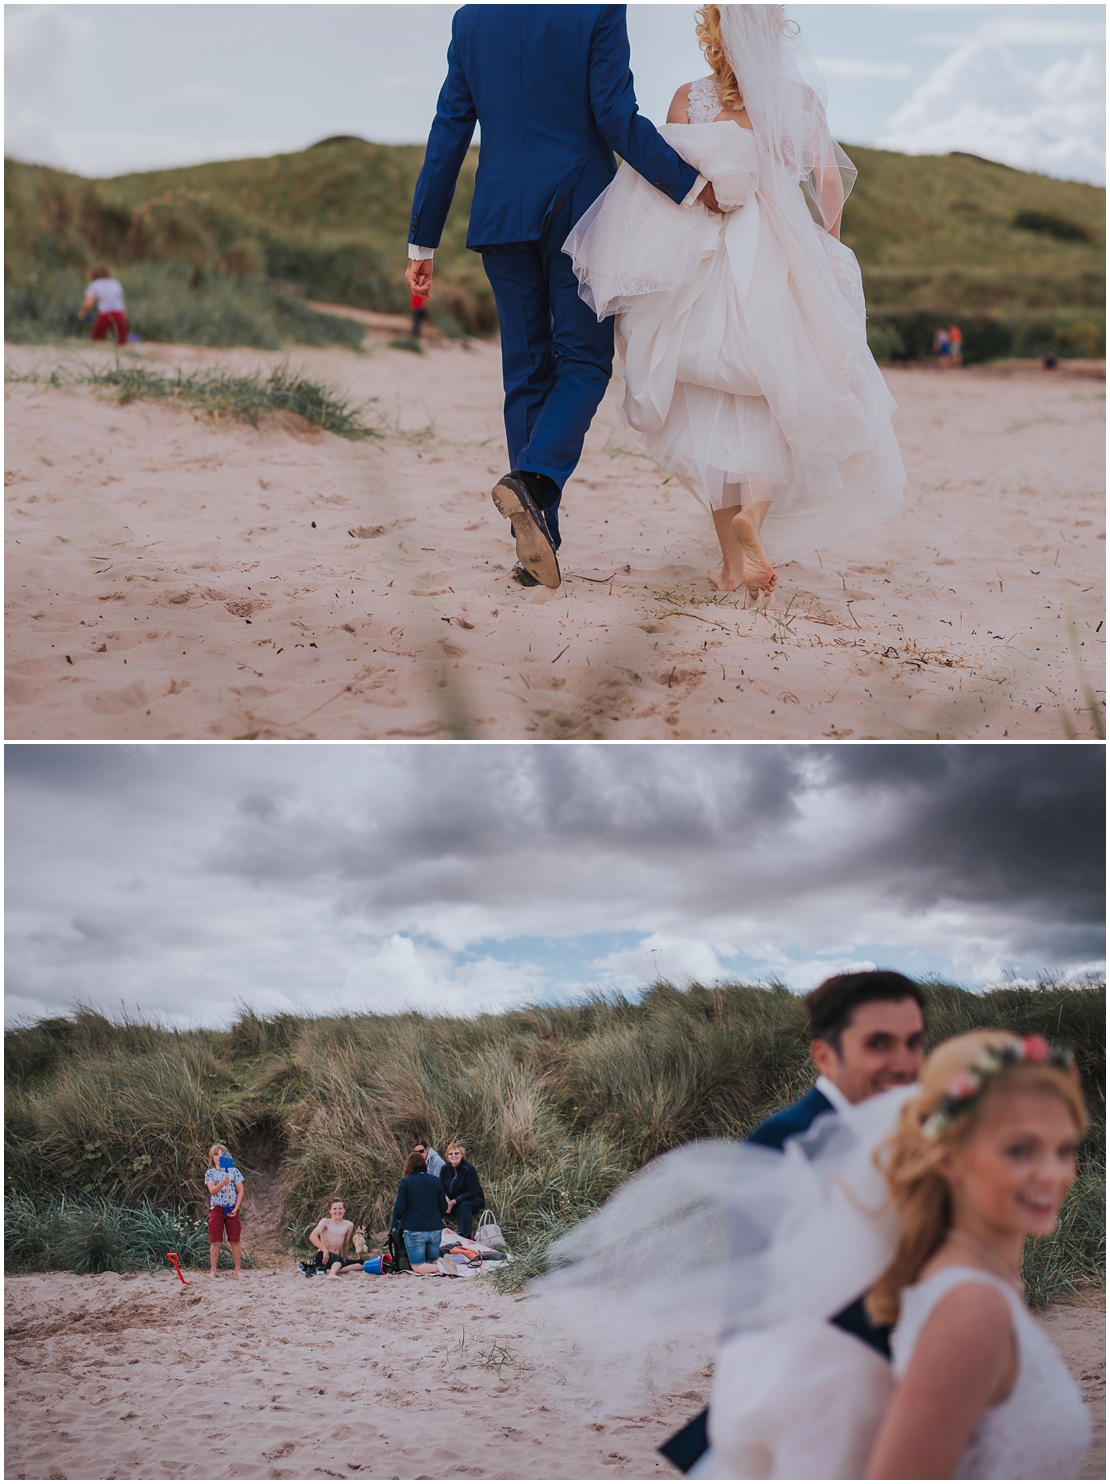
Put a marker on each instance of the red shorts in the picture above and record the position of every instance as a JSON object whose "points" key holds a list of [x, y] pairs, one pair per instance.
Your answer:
{"points": [[112, 326], [220, 1217]]}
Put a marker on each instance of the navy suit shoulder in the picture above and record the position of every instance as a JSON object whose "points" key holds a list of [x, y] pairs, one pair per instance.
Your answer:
{"points": [[774, 1131], [552, 89]]}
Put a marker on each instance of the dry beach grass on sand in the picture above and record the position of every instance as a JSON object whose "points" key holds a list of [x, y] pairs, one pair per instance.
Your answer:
{"points": [[169, 577]]}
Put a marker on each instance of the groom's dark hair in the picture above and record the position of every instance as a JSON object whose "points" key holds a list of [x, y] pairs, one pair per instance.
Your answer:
{"points": [[832, 1004]]}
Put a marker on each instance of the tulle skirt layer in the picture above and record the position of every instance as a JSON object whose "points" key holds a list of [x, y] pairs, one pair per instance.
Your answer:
{"points": [[743, 338]]}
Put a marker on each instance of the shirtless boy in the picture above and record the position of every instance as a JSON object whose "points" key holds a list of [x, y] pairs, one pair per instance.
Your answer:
{"points": [[331, 1237]]}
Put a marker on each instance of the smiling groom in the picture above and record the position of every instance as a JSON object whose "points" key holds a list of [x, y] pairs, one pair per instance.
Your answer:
{"points": [[551, 87]]}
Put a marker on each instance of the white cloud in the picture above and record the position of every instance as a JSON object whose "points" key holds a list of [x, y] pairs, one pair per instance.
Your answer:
{"points": [[401, 974], [670, 956], [40, 46], [1021, 31], [107, 152], [983, 101], [853, 67]]}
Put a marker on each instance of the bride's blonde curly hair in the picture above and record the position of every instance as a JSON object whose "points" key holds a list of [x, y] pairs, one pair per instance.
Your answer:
{"points": [[709, 37], [920, 1194]]}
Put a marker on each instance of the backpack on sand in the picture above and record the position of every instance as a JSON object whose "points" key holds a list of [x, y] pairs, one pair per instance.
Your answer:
{"points": [[398, 1251]]}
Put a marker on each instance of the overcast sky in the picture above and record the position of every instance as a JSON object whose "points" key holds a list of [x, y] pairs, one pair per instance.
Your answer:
{"points": [[181, 879], [103, 89]]}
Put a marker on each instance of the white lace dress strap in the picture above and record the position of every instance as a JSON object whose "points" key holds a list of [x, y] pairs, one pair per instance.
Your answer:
{"points": [[1041, 1430], [704, 105]]}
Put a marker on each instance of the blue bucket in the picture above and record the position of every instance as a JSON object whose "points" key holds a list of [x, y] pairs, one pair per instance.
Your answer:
{"points": [[372, 1265]]}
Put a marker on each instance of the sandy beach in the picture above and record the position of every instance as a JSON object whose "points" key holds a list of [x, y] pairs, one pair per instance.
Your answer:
{"points": [[171, 578], [274, 1376]]}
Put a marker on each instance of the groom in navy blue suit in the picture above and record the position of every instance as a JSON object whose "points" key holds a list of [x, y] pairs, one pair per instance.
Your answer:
{"points": [[867, 1034], [551, 87]]}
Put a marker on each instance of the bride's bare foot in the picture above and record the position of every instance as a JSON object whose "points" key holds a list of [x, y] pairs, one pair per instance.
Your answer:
{"points": [[759, 575], [730, 574], [724, 580]]}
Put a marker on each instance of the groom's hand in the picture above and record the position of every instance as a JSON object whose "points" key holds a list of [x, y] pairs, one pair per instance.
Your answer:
{"points": [[707, 198], [418, 274]]}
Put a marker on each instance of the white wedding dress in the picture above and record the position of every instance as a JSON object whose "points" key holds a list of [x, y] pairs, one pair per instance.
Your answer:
{"points": [[746, 368], [1041, 1430]]}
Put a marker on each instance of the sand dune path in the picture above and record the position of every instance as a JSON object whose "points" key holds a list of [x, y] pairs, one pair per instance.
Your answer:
{"points": [[172, 578]]}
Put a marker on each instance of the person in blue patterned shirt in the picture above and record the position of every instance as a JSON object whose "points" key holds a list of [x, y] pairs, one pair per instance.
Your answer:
{"points": [[225, 1186]]}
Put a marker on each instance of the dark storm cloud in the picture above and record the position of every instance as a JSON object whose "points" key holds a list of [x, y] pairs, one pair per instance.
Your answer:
{"points": [[988, 824], [185, 877], [995, 825]]}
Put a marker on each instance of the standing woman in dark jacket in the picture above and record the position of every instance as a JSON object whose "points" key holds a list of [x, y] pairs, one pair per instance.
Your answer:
{"points": [[463, 1188], [419, 1211]]}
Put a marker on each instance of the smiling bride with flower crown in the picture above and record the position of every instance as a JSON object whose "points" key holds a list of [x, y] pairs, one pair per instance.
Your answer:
{"points": [[921, 1198], [746, 368]]}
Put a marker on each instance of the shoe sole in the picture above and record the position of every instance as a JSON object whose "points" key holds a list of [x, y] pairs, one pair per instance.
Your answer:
{"points": [[533, 550]]}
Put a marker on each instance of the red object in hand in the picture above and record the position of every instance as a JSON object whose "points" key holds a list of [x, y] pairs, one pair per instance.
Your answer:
{"points": [[417, 301], [173, 1257]]}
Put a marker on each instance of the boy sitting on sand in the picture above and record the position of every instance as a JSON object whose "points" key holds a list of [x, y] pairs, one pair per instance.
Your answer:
{"points": [[224, 1184], [331, 1236]]}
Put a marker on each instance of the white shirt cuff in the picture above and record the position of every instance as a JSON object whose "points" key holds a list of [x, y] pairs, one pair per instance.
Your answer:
{"points": [[421, 252], [695, 190]]}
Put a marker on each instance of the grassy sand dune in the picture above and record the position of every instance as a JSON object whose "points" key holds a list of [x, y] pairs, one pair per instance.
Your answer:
{"points": [[1018, 257], [556, 1105]]}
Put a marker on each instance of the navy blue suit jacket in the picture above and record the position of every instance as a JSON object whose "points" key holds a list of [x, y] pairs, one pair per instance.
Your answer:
{"points": [[774, 1131], [552, 89]]}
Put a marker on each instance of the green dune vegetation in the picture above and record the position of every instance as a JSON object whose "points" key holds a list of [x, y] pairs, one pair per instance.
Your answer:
{"points": [[107, 1124], [227, 253]]}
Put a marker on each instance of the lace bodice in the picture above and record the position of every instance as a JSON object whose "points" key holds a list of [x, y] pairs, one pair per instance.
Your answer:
{"points": [[704, 105], [1041, 1430]]}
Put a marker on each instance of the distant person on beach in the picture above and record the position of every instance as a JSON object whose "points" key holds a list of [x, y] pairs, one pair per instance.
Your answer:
{"points": [[465, 1197], [105, 294], [434, 1161], [224, 1185], [331, 1238], [941, 346], [418, 1213], [867, 1035], [955, 345], [418, 305]]}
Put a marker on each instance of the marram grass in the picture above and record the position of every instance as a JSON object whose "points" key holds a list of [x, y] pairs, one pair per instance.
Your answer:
{"points": [[556, 1105], [246, 398]]}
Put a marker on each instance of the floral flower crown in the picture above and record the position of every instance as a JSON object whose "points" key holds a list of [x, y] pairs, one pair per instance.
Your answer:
{"points": [[966, 1085]]}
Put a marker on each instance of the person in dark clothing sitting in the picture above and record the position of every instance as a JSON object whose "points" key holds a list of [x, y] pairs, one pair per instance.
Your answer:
{"points": [[465, 1196], [419, 1210], [867, 1034]]}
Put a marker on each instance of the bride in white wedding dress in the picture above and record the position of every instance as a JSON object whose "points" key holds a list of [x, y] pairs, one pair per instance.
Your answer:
{"points": [[746, 368], [921, 1198]]}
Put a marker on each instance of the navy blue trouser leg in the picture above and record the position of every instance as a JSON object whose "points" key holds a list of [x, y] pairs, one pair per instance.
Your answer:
{"points": [[556, 358]]}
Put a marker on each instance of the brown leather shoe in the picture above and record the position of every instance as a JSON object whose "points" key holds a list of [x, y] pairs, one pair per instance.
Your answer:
{"points": [[535, 549]]}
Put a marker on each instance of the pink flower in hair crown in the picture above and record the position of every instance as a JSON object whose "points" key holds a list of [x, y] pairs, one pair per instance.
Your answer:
{"points": [[1036, 1049], [964, 1085]]}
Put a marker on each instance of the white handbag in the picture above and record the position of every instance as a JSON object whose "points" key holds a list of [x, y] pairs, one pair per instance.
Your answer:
{"points": [[488, 1233]]}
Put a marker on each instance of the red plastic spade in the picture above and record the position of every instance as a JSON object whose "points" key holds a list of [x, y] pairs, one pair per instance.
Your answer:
{"points": [[173, 1257]]}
